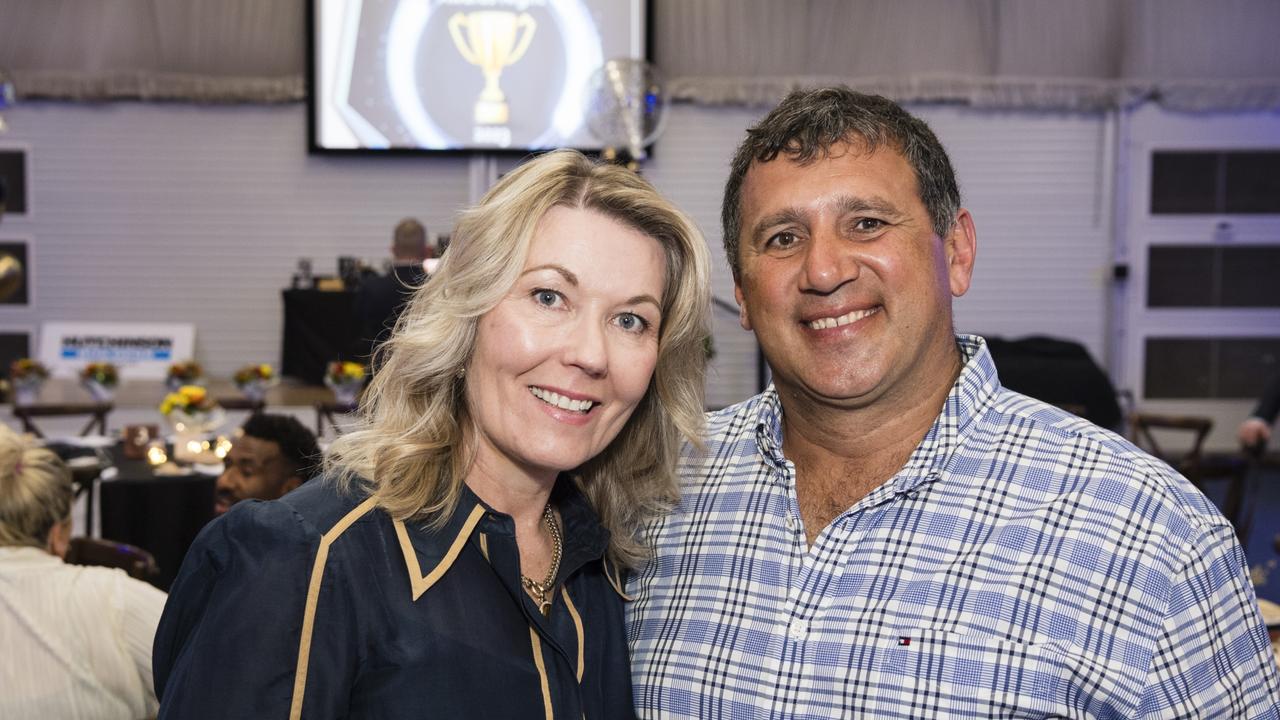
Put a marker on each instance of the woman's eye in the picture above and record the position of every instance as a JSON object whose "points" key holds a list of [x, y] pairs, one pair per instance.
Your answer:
{"points": [[546, 298], [632, 322]]}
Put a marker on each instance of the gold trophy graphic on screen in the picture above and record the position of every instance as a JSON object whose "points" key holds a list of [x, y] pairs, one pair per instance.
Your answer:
{"points": [[491, 44]]}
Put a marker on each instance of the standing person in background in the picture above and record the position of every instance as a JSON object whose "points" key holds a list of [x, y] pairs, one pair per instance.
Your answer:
{"points": [[381, 298], [75, 641], [886, 532], [1255, 431]]}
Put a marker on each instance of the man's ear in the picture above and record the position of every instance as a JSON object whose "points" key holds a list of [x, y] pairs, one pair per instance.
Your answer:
{"points": [[743, 320], [961, 248]]}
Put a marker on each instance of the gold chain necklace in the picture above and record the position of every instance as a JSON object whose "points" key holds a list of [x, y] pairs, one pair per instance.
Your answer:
{"points": [[540, 590]]}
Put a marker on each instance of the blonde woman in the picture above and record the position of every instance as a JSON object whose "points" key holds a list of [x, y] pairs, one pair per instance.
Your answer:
{"points": [[77, 640], [462, 559]]}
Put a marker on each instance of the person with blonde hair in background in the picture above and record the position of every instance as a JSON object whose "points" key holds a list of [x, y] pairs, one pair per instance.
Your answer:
{"points": [[77, 640], [462, 557]]}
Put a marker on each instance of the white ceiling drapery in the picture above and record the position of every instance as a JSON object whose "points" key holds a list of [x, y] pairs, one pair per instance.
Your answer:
{"points": [[1033, 54]]}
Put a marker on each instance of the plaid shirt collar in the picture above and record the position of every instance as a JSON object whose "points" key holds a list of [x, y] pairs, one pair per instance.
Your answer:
{"points": [[973, 392]]}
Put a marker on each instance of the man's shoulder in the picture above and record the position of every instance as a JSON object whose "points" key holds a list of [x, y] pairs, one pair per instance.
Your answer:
{"points": [[736, 419], [730, 438], [1109, 465]]}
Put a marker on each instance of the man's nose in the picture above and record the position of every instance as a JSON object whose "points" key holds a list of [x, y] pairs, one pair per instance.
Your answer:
{"points": [[829, 262], [226, 481]]}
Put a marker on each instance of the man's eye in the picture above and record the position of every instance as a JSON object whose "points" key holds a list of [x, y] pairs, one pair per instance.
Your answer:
{"points": [[868, 224], [782, 240]]}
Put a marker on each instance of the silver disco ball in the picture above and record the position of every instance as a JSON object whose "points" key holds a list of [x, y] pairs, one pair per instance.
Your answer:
{"points": [[626, 105]]}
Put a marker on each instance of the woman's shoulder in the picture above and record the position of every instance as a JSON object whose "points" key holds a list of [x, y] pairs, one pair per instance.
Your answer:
{"points": [[302, 517], [323, 503]]}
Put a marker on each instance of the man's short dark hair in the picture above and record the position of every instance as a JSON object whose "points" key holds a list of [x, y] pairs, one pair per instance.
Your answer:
{"points": [[297, 443], [807, 124]]}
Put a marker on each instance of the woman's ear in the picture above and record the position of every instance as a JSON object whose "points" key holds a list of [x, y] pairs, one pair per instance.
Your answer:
{"points": [[59, 538]]}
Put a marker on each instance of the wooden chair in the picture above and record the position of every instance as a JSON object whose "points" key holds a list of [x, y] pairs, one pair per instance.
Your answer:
{"points": [[135, 561], [1192, 462], [1143, 428], [97, 413]]}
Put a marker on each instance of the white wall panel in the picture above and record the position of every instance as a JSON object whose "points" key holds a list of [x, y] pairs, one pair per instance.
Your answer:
{"points": [[199, 214]]}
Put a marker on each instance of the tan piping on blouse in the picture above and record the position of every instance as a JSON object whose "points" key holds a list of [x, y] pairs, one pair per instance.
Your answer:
{"points": [[615, 582], [417, 580], [313, 598], [577, 625], [547, 710]]}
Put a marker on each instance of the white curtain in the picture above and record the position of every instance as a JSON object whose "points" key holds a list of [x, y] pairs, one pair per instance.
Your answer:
{"points": [[1051, 54], [194, 50]]}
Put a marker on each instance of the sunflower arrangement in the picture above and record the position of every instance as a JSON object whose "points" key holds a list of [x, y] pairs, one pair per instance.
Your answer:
{"points": [[188, 372], [344, 373], [103, 373], [187, 399], [253, 380], [25, 378], [28, 370], [261, 372], [345, 379]]}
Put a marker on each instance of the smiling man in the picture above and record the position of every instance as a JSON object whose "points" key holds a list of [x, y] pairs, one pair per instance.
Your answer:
{"points": [[887, 532], [271, 455]]}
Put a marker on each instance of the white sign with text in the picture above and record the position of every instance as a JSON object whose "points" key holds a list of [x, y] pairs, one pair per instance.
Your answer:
{"points": [[142, 351]]}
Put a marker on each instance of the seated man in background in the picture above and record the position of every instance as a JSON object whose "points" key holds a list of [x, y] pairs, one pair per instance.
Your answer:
{"points": [[1255, 431], [77, 640], [272, 455], [381, 298]]}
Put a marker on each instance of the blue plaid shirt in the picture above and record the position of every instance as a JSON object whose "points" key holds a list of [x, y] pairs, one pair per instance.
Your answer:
{"points": [[1024, 563]]}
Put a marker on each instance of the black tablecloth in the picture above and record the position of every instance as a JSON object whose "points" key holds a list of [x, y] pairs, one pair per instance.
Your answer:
{"points": [[319, 327], [160, 514]]}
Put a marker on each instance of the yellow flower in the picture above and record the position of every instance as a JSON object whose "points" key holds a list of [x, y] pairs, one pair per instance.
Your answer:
{"points": [[194, 394], [187, 397], [345, 372]]}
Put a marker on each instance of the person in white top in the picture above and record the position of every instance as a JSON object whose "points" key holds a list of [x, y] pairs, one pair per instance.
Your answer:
{"points": [[76, 640]]}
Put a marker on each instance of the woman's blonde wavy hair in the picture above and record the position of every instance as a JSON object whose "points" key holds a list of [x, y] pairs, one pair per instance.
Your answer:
{"points": [[408, 450], [35, 491]]}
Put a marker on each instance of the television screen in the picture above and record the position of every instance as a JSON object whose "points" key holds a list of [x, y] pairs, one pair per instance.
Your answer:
{"points": [[462, 74]]}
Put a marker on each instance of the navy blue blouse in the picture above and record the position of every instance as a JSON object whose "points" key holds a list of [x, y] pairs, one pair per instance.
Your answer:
{"points": [[319, 605]]}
